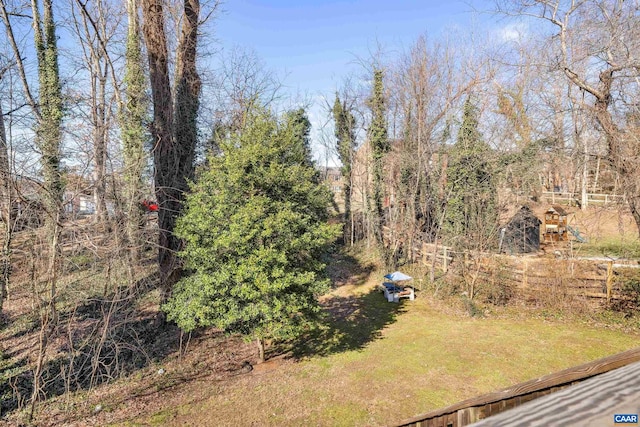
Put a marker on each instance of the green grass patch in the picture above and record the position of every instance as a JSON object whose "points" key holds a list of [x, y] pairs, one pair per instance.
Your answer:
{"points": [[612, 247], [417, 360]]}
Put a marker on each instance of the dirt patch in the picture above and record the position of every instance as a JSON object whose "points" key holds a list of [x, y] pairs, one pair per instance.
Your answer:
{"points": [[212, 358]]}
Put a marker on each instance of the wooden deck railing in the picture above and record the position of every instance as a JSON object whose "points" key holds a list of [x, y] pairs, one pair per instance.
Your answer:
{"points": [[477, 408]]}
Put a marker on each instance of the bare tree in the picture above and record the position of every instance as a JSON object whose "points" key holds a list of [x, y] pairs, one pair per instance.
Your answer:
{"points": [[94, 31], [428, 83], [241, 83], [596, 44], [132, 110], [6, 202]]}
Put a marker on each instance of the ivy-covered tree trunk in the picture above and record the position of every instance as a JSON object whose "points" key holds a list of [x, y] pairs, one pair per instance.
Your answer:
{"points": [[49, 139], [186, 107], [6, 213], [471, 212], [380, 146], [48, 133], [174, 126], [132, 119], [345, 143]]}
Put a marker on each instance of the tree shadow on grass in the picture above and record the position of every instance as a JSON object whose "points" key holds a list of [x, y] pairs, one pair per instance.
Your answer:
{"points": [[28, 325], [344, 269], [11, 374], [348, 322]]}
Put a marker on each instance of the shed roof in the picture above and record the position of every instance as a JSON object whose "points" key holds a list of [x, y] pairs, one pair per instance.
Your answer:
{"points": [[557, 209], [524, 215]]}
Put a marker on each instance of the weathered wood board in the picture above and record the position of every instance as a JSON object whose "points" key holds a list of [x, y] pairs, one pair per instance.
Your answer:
{"points": [[593, 402], [622, 387]]}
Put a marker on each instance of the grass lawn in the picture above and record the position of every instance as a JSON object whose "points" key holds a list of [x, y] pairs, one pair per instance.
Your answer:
{"points": [[380, 363], [611, 247]]}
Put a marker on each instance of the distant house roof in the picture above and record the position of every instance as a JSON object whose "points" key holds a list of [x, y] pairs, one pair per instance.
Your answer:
{"points": [[329, 170]]}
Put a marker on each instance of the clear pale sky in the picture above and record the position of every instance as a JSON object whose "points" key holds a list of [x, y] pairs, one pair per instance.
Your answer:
{"points": [[316, 42]]}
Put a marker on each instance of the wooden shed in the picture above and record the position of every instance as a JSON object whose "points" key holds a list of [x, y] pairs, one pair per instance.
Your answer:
{"points": [[522, 233], [555, 224]]}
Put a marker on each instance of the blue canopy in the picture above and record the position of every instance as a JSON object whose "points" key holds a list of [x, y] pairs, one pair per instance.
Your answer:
{"points": [[397, 276]]}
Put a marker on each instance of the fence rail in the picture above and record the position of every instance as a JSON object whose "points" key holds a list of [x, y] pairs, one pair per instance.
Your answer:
{"points": [[590, 279], [592, 198]]}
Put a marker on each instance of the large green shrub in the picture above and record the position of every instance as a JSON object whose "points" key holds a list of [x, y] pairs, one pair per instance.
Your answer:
{"points": [[255, 231]]}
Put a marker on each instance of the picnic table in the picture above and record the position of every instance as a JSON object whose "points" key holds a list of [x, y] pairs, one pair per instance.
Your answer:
{"points": [[393, 292]]}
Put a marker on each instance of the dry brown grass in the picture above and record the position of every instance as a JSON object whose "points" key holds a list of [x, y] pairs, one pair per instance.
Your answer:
{"points": [[598, 223]]}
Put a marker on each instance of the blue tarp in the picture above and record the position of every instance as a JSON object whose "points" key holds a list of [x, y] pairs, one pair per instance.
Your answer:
{"points": [[397, 276]]}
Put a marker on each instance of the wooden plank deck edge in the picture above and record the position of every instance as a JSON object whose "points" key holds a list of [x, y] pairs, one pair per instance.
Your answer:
{"points": [[564, 377]]}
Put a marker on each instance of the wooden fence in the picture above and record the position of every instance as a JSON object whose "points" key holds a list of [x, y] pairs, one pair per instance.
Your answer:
{"points": [[539, 276], [531, 276], [475, 409], [426, 252]]}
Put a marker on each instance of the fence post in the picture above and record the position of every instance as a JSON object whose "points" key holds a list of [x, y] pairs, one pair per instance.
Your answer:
{"points": [[424, 253], [609, 280], [445, 259], [524, 273]]}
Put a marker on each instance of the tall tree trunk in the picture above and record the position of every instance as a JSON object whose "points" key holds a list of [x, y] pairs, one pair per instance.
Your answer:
{"points": [[49, 138], [100, 142], [187, 99], [379, 147], [6, 198], [174, 126], [164, 149], [49, 134], [132, 117], [345, 135]]}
